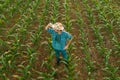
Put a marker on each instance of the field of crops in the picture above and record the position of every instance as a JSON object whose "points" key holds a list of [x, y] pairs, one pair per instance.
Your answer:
{"points": [[25, 46]]}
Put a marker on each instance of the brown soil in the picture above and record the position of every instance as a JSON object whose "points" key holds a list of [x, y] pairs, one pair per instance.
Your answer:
{"points": [[43, 51]]}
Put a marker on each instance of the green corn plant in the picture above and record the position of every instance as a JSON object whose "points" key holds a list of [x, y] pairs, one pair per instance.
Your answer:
{"points": [[45, 11], [109, 25], [51, 71], [12, 53], [108, 53], [118, 22], [2, 20], [108, 22], [12, 30], [23, 24], [97, 34], [83, 35], [3, 76], [33, 9], [19, 26], [6, 4], [90, 68], [71, 46], [12, 9], [46, 76], [35, 4], [28, 20], [15, 43], [3, 46], [89, 14], [70, 67], [50, 58], [23, 27], [85, 47], [111, 73], [35, 38], [117, 45], [46, 7], [40, 28], [12, 61], [31, 55], [18, 77], [25, 71], [25, 6], [43, 15], [54, 12], [95, 28], [83, 42], [4, 63], [68, 23], [7, 61]]}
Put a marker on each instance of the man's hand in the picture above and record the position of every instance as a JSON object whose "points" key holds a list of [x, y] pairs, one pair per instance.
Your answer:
{"points": [[49, 25], [69, 42], [66, 47]]}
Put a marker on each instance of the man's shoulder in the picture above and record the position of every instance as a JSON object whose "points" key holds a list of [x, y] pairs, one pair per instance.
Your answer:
{"points": [[65, 32]]}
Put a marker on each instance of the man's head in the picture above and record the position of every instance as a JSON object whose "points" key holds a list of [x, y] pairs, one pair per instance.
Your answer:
{"points": [[58, 27]]}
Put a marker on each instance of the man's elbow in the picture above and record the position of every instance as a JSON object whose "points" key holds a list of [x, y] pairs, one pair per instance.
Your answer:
{"points": [[70, 39]]}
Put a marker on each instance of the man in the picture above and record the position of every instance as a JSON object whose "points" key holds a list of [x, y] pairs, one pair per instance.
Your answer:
{"points": [[60, 39]]}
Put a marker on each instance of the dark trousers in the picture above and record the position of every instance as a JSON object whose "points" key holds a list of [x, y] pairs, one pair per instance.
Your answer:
{"points": [[64, 54]]}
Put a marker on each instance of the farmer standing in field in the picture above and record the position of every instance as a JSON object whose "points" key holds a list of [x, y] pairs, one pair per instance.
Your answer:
{"points": [[60, 40]]}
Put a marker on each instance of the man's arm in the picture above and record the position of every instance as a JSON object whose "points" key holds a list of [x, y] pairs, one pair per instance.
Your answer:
{"points": [[48, 26], [68, 43]]}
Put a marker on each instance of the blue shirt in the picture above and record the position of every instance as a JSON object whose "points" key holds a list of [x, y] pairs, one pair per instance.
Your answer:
{"points": [[59, 40]]}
